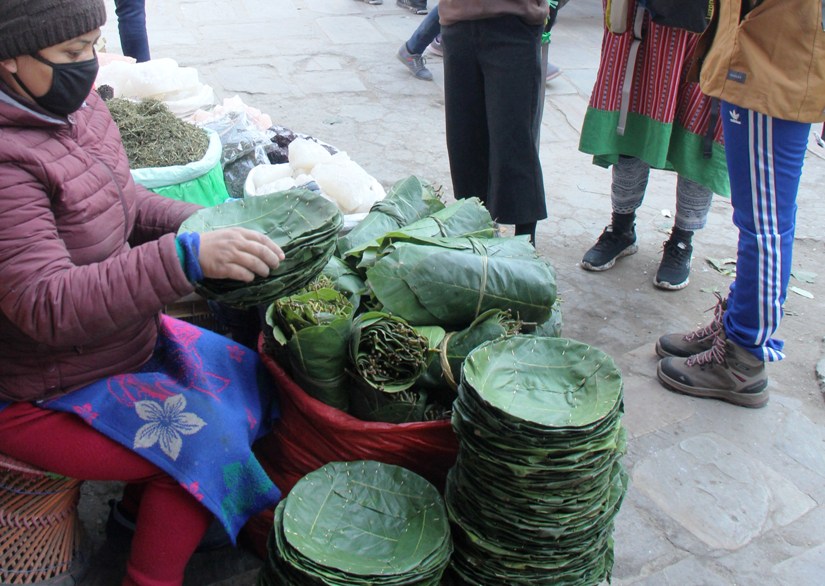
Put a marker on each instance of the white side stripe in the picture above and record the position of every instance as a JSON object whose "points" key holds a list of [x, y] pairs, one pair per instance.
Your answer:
{"points": [[766, 225]]}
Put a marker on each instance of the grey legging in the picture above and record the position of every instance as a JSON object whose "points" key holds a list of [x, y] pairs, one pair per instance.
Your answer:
{"points": [[630, 177]]}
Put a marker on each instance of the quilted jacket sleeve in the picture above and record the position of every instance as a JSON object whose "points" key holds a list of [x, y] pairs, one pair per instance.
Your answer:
{"points": [[58, 303]]}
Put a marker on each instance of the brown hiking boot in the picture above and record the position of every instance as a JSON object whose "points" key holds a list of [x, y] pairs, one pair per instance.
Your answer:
{"points": [[697, 341], [726, 372]]}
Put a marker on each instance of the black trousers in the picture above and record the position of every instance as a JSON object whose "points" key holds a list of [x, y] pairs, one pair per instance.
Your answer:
{"points": [[492, 85]]}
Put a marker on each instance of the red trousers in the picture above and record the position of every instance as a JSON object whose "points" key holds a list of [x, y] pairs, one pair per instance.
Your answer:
{"points": [[170, 521]]}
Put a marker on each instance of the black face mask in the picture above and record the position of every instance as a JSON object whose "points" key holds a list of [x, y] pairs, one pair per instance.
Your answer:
{"points": [[71, 84]]}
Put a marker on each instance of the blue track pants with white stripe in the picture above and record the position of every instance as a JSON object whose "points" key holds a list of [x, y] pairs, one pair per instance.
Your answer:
{"points": [[765, 157]]}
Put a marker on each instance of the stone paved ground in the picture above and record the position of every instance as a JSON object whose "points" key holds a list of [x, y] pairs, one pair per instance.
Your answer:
{"points": [[719, 495]]}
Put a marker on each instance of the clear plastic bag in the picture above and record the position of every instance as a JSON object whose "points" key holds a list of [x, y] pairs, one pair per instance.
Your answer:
{"points": [[244, 146]]}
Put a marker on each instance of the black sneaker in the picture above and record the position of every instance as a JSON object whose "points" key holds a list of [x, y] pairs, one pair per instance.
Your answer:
{"points": [[414, 6], [609, 247], [674, 270]]}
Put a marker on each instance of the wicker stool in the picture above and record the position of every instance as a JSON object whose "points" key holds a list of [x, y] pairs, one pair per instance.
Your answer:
{"points": [[39, 529]]}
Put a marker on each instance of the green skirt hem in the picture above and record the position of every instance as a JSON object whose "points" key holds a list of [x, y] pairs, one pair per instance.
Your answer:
{"points": [[663, 146]]}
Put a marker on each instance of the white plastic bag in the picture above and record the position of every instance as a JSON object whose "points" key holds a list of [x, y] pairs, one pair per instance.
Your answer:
{"points": [[159, 79]]}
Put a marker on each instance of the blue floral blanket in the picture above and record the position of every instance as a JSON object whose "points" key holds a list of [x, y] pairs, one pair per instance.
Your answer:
{"points": [[193, 410]]}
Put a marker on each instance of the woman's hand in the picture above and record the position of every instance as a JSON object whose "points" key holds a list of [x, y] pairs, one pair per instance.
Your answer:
{"points": [[238, 253]]}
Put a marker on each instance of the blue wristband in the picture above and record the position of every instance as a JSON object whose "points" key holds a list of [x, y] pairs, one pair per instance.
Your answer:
{"points": [[190, 242]]}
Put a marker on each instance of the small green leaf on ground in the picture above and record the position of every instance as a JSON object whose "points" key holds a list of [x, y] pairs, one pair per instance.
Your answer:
{"points": [[804, 276], [800, 291], [726, 266]]}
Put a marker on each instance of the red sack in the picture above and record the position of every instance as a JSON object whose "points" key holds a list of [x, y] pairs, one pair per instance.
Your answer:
{"points": [[310, 434]]}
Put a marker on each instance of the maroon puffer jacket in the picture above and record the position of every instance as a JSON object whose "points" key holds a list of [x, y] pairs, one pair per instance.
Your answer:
{"points": [[87, 258]]}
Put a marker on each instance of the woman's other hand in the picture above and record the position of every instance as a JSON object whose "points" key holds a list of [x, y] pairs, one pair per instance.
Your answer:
{"points": [[238, 253]]}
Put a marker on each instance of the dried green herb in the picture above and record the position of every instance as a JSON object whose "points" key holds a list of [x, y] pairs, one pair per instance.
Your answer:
{"points": [[154, 137]]}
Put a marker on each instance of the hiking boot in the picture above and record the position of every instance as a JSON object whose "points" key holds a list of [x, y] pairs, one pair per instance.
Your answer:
{"points": [[415, 63], [609, 247], [435, 46], [414, 6], [697, 341], [726, 372], [674, 270]]}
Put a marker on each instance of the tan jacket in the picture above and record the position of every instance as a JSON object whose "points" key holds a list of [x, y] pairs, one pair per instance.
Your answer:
{"points": [[530, 11], [772, 60]]}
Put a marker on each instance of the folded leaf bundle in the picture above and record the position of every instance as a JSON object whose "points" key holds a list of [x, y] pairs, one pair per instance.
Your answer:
{"points": [[453, 283], [315, 328], [386, 352], [407, 201], [464, 218], [301, 222], [444, 367]]}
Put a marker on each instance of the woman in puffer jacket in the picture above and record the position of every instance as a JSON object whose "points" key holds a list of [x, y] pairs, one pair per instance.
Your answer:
{"points": [[94, 382]]}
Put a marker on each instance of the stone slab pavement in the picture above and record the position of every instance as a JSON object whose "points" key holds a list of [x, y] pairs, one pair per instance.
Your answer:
{"points": [[719, 495]]}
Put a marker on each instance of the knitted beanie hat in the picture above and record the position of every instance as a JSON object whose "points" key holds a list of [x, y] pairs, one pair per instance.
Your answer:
{"points": [[26, 26]]}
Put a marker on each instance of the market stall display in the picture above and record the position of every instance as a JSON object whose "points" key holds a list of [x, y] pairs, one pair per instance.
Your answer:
{"points": [[539, 478], [401, 342], [358, 523]]}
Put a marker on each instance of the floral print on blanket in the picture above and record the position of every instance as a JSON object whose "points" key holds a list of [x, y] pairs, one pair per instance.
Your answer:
{"points": [[167, 423], [194, 409]]}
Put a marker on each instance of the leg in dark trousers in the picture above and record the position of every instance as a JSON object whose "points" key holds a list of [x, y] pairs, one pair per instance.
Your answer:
{"points": [[492, 71]]}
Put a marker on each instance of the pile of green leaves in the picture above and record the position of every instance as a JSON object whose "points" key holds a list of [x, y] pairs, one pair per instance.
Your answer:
{"points": [[539, 478], [427, 283], [359, 523], [303, 223], [154, 137], [344, 280]]}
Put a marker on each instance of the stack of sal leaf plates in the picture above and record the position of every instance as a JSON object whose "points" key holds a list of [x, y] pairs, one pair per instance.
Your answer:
{"points": [[538, 480], [359, 523], [301, 222]]}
